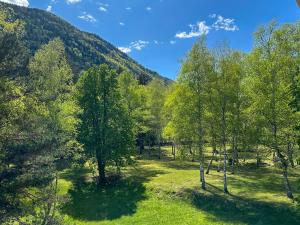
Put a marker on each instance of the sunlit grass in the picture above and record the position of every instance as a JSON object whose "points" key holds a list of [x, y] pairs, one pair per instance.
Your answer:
{"points": [[168, 192]]}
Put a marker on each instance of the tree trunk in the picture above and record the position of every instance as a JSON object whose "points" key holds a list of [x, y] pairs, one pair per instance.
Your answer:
{"points": [[290, 154], [55, 194], [101, 169], [174, 151], [274, 157], [231, 160], [258, 160], [283, 161], [225, 171], [219, 161], [210, 162], [141, 146], [192, 153], [287, 185], [234, 156], [224, 147], [202, 177]]}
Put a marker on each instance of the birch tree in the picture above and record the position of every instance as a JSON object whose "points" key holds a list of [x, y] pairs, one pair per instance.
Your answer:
{"points": [[271, 95], [194, 72]]}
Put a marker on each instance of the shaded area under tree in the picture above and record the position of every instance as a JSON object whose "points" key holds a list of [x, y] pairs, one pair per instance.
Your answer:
{"points": [[89, 202]]}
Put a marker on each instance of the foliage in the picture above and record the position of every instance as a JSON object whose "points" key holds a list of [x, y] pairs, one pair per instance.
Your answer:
{"points": [[13, 54], [248, 102], [34, 141], [132, 96], [105, 129], [178, 108]]}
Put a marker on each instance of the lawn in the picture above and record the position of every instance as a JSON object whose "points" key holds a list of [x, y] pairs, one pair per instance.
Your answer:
{"points": [[167, 192]]}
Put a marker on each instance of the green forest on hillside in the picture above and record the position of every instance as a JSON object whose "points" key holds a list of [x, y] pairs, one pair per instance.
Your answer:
{"points": [[98, 144], [82, 49]]}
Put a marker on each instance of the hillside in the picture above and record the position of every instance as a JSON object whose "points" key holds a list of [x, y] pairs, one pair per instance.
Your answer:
{"points": [[83, 49]]}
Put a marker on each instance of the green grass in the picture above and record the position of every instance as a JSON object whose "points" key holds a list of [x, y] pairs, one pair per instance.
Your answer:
{"points": [[167, 192]]}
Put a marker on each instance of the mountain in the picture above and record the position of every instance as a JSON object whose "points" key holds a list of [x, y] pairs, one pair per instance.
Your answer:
{"points": [[83, 49]]}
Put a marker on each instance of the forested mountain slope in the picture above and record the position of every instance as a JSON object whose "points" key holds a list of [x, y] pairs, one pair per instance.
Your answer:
{"points": [[83, 49]]}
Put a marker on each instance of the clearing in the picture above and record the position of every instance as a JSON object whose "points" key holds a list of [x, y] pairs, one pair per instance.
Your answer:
{"points": [[167, 192]]}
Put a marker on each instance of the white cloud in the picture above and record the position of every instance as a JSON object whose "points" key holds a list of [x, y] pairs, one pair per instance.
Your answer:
{"points": [[220, 23], [128, 8], [49, 8], [73, 1], [148, 8], [137, 45], [125, 50], [24, 3], [172, 42], [122, 24], [87, 17], [196, 30], [225, 24], [101, 8]]}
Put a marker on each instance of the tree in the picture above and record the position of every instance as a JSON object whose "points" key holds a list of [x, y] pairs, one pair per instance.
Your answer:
{"points": [[178, 109], [38, 137], [105, 129], [155, 98], [50, 85], [271, 95], [236, 105], [12, 110], [128, 87], [133, 97], [50, 74], [50, 82], [226, 86], [13, 53], [194, 72], [287, 38], [212, 117]]}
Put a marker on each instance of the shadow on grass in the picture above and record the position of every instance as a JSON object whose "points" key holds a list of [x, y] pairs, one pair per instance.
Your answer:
{"points": [[259, 179], [242, 210], [88, 202], [182, 165], [153, 154], [266, 179], [75, 174]]}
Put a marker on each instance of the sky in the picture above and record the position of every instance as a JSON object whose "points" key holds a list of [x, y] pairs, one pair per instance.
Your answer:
{"points": [[159, 33]]}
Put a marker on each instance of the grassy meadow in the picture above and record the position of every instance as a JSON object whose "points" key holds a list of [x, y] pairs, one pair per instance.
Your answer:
{"points": [[167, 192]]}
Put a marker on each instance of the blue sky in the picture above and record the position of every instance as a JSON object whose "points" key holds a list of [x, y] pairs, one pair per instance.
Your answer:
{"points": [[158, 33]]}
